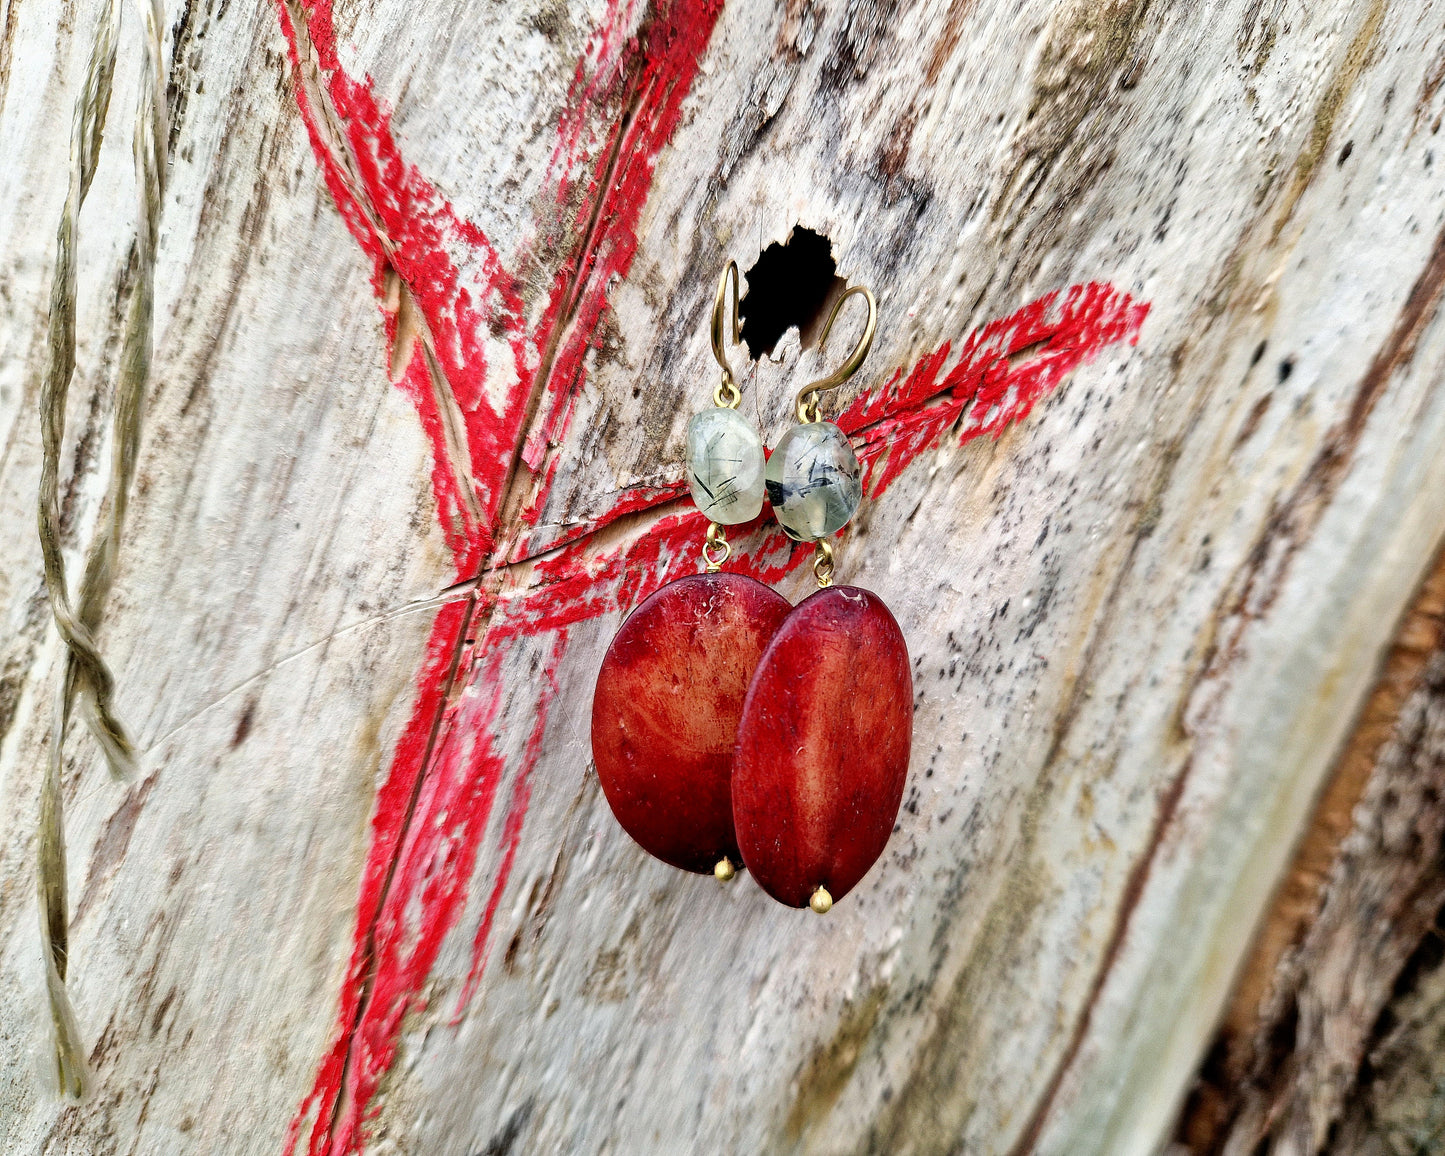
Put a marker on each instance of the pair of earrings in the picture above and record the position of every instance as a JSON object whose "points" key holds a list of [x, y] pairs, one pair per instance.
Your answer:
{"points": [[731, 728]]}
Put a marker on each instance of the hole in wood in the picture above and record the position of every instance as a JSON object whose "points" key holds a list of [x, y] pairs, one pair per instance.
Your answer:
{"points": [[792, 285]]}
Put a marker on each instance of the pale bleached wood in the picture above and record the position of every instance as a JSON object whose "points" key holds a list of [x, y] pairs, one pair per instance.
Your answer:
{"points": [[1328, 1044], [1108, 775], [171, 907]]}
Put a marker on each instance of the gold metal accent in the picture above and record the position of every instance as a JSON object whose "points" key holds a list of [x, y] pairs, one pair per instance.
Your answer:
{"points": [[821, 902], [726, 395], [823, 563], [807, 401], [724, 870], [716, 541]]}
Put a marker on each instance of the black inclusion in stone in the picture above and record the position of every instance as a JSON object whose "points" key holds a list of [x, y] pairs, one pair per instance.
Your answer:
{"points": [[788, 287]]}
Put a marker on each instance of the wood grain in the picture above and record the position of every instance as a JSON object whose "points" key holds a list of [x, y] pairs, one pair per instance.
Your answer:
{"points": [[1332, 1019], [431, 303]]}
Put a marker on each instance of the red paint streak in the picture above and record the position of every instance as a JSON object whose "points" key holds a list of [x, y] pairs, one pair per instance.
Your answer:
{"points": [[989, 387], [656, 78], [433, 810], [388, 827], [405, 227], [425, 834], [1002, 370], [512, 825]]}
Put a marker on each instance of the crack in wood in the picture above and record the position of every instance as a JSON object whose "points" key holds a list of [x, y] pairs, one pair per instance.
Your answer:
{"points": [[368, 967], [481, 603], [332, 125], [518, 481], [511, 505]]}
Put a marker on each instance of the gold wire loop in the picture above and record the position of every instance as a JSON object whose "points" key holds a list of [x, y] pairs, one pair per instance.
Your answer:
{"points": [[807, 402], [823, 563], [726, 394], [716, 550]]}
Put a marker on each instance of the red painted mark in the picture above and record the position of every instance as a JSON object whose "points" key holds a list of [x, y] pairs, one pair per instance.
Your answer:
{"points": [[985, 389], [1002, 369], [512, 826], [433, 810]]}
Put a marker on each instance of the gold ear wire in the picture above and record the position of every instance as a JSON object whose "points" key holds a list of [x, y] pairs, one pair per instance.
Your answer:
{"points": [[807, 402], [726, 394]]}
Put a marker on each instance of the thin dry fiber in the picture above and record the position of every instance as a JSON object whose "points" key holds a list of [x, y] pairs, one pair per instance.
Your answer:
{"points": [[84, 673]]}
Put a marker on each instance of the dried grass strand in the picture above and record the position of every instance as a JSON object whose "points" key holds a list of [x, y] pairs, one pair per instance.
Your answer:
{"points": [[84, 673], [86, 135]]}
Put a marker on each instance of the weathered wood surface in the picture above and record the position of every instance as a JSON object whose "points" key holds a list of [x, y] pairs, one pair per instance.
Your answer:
{"points": [[353, 896], [1331, 1040]]}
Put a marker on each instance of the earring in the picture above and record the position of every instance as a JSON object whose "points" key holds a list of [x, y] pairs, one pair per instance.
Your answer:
{"points": [[670, 692], [827, 724]]}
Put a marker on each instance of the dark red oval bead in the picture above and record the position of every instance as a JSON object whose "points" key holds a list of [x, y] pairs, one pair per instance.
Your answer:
{"points": [[666, 708], [823, 746]]}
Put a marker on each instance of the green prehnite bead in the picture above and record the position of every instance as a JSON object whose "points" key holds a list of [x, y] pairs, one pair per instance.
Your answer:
{"points": [[814, 481], [725, 466]]}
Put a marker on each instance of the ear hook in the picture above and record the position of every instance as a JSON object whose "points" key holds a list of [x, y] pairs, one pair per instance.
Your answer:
{"points": [[726, 394], [807, 402]]}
